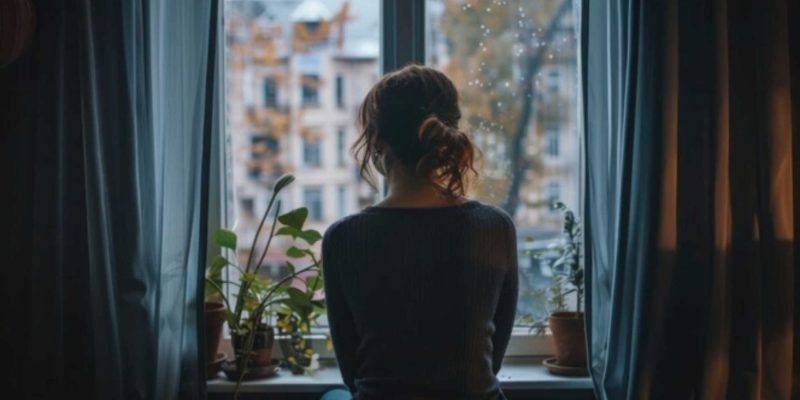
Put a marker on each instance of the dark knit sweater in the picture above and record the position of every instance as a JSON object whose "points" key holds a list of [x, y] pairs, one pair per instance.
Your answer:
{"points": [[421, 301]]}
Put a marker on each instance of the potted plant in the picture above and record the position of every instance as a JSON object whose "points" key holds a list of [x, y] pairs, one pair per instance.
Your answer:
{"points": [[215, 315], [251, 335], [568, 327]]}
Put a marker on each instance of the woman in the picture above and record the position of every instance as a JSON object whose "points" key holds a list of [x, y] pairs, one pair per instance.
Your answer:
{"points": [[421, 287]]}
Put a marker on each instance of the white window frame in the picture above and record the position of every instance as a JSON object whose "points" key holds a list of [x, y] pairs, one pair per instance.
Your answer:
{"points": [[403, 40]]}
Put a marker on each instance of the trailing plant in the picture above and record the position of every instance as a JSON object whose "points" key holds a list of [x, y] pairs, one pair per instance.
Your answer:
{"points": [[568, 265], [259, 296]]}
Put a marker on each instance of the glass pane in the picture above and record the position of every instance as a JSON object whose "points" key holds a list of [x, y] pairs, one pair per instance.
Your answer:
{"points": [[296, 72], [515, 64]]}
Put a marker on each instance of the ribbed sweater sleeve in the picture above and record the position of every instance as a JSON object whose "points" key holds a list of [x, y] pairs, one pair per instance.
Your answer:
{"points": [[507, 304], [340, 316]]}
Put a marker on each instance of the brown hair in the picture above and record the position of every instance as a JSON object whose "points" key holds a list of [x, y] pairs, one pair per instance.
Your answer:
{"points": [[413, 115]]}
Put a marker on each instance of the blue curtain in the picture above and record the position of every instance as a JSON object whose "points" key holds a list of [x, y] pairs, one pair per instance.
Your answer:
{"points": [[692, 136], [108, 121]]}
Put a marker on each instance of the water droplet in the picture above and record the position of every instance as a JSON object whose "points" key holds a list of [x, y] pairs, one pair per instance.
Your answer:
{"points": [[507, 84]]}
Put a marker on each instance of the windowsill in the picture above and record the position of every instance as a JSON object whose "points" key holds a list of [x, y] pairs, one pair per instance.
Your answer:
{"points": [[517, 374]]}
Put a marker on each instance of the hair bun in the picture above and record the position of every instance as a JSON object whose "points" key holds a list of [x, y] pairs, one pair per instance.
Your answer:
{"points": [[433, 132], [447, 152]]}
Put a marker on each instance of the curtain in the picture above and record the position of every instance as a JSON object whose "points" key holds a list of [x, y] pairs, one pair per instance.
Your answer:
{"points": [[692, 171], [107, 121]]}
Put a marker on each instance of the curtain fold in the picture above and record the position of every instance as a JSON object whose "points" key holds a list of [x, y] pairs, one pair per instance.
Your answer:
{"points": [[116, 139], [691, 132]]}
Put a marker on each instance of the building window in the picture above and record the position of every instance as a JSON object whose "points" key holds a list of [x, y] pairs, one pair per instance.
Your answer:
{"points": [[270, 93], [312, 153], [554, 80], [552, 142], [261, 148], [552, 192], [341, 147], [312, 198], [342, 197], [309, 87], [340, 91], [248, 207]]}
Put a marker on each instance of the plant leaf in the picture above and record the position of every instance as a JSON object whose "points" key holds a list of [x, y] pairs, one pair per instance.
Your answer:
{"points": [[311, 236], [295, 218], [292, 268], [282, 182], [314, 282], [215, 269], [298, 302], [289, 231], [294, 252], [226, 238]]}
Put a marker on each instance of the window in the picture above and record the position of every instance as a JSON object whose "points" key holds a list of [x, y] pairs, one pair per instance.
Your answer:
{"points": [[343, 203], [312, 156], [552, 142], [262, 149], [312, 198], [309, 87], [270, 93], [485, 46], [271, 45], [340, 91], [341, 147], [505, 57]]}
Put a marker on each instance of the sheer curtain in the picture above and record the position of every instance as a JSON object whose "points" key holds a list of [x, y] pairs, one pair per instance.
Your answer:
{"points": [[115, 104], [692, 153]]}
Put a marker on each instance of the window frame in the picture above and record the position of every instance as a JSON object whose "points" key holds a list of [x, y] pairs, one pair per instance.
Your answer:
{"points": [[403, 38]]}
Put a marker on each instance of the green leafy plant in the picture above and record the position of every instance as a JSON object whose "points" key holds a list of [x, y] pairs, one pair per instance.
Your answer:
{"points": [[259, 297], [568, 265]]}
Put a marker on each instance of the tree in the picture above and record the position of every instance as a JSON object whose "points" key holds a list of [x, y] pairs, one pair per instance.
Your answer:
{"points": [[499, 48]]}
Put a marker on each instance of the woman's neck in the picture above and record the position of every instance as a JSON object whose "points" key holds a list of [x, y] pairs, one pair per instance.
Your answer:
{"points": [[405, 190]]}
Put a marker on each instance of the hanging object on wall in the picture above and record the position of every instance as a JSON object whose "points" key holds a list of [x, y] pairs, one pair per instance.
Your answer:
{"points": [[17, 25]]}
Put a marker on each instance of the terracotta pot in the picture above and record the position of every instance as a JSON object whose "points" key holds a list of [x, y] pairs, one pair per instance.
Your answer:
{"points": [[215, 317], [569, 337], [261, 354]]}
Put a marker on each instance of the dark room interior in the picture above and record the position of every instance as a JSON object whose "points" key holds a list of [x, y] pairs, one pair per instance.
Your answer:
{"points": [[400, 199]]}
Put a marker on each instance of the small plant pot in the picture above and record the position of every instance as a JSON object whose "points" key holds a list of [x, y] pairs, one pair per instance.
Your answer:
{"points": [[215, 317], [261, 353], [570, 338]]}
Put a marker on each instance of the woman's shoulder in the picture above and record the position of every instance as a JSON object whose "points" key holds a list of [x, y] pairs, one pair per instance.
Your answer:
{"points": [[494, 214], [343, 225]]}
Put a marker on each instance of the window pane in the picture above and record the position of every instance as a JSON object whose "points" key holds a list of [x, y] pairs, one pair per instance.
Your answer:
{"points": [[270, 93], [339, 91], [344, 202], [341, 147], [514, 62], [312, 156], [312, 198], [291, 68]]}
